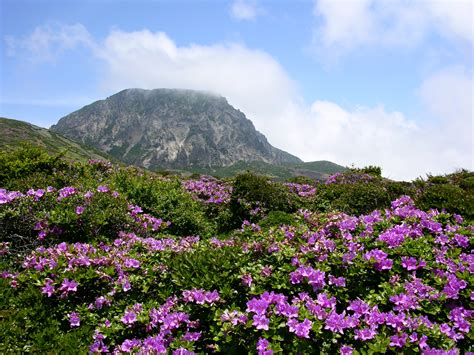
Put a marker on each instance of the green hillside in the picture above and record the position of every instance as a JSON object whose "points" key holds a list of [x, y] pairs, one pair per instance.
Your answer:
{"points": [[319, 170], [14, 133]]}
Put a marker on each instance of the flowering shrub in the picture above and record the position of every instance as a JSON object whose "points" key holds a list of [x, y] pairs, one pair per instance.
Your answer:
{"points": [[395, 280], [302, 190], [48, 216], [164, 198]]}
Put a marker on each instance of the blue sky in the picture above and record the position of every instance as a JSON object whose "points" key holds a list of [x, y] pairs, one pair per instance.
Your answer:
{"points": [[356, 82]]}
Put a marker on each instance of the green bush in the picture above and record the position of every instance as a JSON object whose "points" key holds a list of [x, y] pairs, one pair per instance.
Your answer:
{"points": [[277, 218], [453, 192], [302, 180], [166, 199], [100, 217], [252, 191], [452, 198], [31, 167]]}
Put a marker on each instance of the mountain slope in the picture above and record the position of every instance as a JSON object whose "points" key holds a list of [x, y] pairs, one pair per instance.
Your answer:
{"points": [[14, 132], [318, 170], [166, 128]]}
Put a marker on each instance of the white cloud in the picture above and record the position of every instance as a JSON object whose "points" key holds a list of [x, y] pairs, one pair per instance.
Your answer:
{"points": [[447, 95], [375, 136], [349, 24], [244, 10], [254, 82], [47, 42]]}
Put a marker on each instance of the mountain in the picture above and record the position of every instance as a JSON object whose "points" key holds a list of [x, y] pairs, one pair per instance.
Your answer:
{"points": [[14, 132], [171, 129]]}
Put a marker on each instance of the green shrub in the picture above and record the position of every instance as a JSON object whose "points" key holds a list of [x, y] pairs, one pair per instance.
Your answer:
{"points": [[29, 167], [301, 180], [166, 199], [277, 218], [252, 191], [453, 192], [356, 198], [452, 198]]}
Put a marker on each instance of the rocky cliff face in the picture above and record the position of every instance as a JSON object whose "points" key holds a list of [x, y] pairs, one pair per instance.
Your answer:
{"points": [[170, 129]]}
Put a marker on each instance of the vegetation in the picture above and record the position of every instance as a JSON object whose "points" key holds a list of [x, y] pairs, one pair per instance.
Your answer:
{"points": [[15, 133], [317, 170], [102, 258]]}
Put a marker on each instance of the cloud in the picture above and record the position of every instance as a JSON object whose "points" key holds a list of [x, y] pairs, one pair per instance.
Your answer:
{"points": [[47, 42], [405, 149], [244, 10], [447, 95], [346, 25], [254, 82]]}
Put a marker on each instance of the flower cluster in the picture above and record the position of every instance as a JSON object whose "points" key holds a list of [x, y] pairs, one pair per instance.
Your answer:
{"points": [[208, 190], [302, 190]]}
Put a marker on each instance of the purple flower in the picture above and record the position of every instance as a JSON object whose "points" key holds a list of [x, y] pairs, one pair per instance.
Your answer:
{"points": [[376, 255], [212, 297], [359, 307], [336, 322], [191, 336], [384, 265], [65, 192], [68, 286], [454, 285], [258, 306], [300, 329], [132, 263], [129, 344], [316, 278], [365, 334], [337, 281], [398, 340], [266, 271], [346, 350], [404, 302], [260, 322], [129, 318], [74, 319], [102, 188], [79, 210], [48, 288], [101, 301], [98, 347], [235, 317], [247, 280], [286, 310], [263, 347], [326, 302]]}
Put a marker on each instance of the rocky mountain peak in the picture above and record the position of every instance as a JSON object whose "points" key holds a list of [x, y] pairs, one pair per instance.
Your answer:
{"points": [[170, 128]]}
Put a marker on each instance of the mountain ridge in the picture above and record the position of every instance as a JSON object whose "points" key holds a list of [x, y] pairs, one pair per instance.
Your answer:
{"points": [[15, 132]]}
